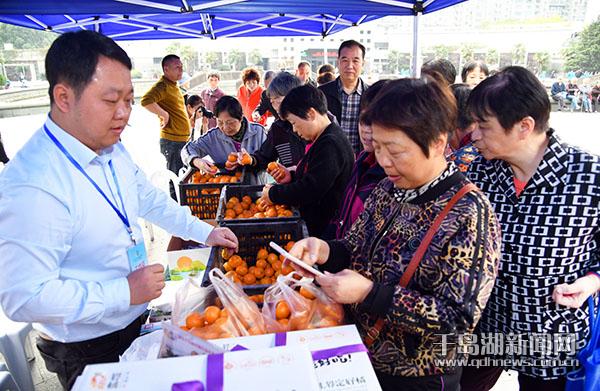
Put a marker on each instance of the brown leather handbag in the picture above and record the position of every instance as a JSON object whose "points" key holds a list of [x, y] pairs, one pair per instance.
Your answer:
{"points": [[374, 332]]}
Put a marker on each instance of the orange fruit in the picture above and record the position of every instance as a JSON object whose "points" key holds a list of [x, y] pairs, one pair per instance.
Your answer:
{"points": [[282, 310], [211, 313], [184, 263], [259, 215], [235, 261], [241, 270], [284, 322], [246, 159], [235, 200], [249, 279], [259, 273], [238, 209], [227, 267], [262, 254], [306, 293], [265, 281], [232, 157], [271, 258], [287, 269], [271, 212], [272, 166], [233, 179], [247, 199], [276, 265], [261, 263], [289, 245], [269, 271], [194, 319], [224, 313], [229, 213]]}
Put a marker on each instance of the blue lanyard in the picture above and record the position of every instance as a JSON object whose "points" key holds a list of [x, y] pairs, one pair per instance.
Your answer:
{"points": [[122, 216]]}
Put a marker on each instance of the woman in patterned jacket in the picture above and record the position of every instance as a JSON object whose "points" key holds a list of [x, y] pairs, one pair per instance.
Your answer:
{"points": [[411, 119], [546, 195]]}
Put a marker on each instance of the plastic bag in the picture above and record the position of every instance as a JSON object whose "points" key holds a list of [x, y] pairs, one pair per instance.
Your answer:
{"points": [[144, 348], [288, 308], [326, 312]]}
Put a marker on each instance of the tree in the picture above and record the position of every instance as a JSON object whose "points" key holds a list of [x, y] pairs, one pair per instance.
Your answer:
{"points": [[518, 54], [24, 38], [237, 60], [583, 51], [255, 58], [492, 57], [187, 54], [467, 53], [543, 61], [213, 59], [442, 51]]}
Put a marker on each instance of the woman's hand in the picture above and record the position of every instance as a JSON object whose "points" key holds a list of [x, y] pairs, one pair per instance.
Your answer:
{"points": [[575, 294], [346, 287], [279, 173], [311, 251], [264, 199], [204, 166]]}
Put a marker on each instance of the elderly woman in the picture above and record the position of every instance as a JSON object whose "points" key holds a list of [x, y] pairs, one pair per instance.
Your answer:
{"points": [[546, 195], [411, 294], [249, 94], [233, 132], [316, 186], [366, 174]]}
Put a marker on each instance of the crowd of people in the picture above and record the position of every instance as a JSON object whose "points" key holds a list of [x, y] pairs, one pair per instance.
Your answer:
{"points": [[437, 209]]}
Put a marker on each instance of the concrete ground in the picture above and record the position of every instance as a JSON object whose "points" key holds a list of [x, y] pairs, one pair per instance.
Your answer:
{"points": [[141, 139]]}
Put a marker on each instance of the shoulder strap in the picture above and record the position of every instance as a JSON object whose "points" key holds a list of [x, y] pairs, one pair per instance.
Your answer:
{"points": [[373, 332]]}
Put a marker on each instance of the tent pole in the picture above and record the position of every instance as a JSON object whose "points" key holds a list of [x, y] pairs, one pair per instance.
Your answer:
{"points": [[416, 49]]}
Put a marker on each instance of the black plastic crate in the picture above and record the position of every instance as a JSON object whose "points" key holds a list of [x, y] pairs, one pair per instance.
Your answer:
{"points": [[203, 198], [255, 192], [253, 237]]}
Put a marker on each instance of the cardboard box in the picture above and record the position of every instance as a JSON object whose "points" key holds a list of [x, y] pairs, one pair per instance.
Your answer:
{"points": [[283, 369], [341, 361]]}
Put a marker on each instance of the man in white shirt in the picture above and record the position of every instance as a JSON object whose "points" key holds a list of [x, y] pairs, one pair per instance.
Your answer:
{"points": [[69, 205]]}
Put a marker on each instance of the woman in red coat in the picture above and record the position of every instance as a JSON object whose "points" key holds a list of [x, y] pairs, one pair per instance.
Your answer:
{"points": [[249, 94]]}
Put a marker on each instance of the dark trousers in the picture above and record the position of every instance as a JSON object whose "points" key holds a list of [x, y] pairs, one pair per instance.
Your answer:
{"points": [[484, 378], [3, 157], [447, 382], [68, 360], [172, 152]]}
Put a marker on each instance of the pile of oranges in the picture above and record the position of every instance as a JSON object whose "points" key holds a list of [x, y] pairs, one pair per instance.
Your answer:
{"points": [[245, 160], [216, 322], [199, 178], [266, 269], [247, 209], [314, 314]]}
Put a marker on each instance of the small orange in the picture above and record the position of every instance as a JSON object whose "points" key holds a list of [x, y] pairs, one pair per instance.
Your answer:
{"points": [[262, 254], [238, 209], [287, 269], [306, 293], [284, 322], [247, 199], [241, 270], [272, 166], [271, 212], [265, 281], [232, 157], [261, 263], [259, 215], [211, 313], [229, 213], [227, 267], [249, 279], [269, 271], [259, 273], [289, 245], [271, 258], [194, 319], [276, 265], [246, 159], [282, 310], [235, 261], [233, 179]]}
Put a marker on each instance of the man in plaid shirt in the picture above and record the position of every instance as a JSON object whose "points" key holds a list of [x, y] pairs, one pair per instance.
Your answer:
{"points": [[344, 93]]}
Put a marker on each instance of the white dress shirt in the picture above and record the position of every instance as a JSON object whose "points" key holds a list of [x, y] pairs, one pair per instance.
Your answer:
{"points": [[63, 249]]}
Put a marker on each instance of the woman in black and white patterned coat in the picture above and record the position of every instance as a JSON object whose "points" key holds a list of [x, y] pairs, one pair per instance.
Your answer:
{"points": [[546, 195]]}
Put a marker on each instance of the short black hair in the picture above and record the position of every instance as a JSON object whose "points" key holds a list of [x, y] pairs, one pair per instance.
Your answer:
{"points": [[352, 43], [326, 68], [423, 109], [73, 57], [193, 100], [441, 66], [282, 84], [230, 105], [511, 95], [369, 95], [303, 63], [167, 59], [325, 78], [301, 99], [461, 93], [471, 66]]}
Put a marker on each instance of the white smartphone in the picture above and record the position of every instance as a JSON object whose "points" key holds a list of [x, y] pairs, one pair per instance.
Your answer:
{"points": [[295, 260]]}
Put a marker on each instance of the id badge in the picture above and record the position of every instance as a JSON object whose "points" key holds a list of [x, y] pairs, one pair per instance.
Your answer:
{"points": [[137, 256]]}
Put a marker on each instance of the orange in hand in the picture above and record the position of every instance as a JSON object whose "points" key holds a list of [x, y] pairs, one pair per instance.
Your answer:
{"points": [[272, 166], [246, 159], [232, 157]]}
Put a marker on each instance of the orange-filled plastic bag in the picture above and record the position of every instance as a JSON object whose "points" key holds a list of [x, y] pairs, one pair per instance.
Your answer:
{"points": [[326, 312], [288, 308]]}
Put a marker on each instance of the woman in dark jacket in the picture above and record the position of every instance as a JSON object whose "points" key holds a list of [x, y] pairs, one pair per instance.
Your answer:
{"points": [[317, 185], [366, 174], [412, 318]]}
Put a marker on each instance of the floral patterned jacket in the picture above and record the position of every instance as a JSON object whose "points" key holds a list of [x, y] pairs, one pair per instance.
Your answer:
{"points": [[449, 289]]}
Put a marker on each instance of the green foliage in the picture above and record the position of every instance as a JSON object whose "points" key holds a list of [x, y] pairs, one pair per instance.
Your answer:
{"points": [[442, 51], [2, 81], [187, 54], [543, 61], [518, 54], [254, 57], [492, 57], [237, 60], [467, 53], [135, 74], [24, 38], [583, 51], [213, 59]]}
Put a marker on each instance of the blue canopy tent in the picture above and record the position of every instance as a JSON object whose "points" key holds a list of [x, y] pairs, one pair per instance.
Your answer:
{"points": [[172, 19]]}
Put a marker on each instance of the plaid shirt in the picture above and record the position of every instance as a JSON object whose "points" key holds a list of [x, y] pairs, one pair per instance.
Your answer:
{"points": [[350, 114]]}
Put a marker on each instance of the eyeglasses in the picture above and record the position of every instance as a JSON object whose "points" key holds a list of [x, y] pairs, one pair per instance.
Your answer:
{"points": [[229, 123]]}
